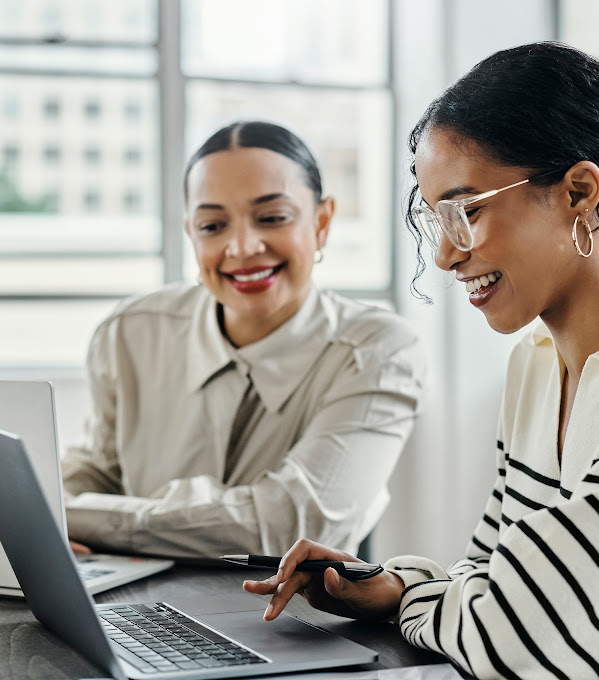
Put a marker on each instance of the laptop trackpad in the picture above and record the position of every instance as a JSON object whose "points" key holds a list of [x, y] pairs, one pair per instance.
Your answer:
{"points": [[200, 605], [288, 640]]}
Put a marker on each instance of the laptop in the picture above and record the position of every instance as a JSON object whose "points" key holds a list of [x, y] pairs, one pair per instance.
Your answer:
{"points": [[219, 637], [27, 408]]}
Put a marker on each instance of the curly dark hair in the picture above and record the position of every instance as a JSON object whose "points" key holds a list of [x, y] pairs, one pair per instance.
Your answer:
{"points": [[534, 106]]}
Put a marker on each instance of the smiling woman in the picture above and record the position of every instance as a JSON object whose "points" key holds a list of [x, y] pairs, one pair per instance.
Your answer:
{"points": [[249, 410], [255, 226], [507, 165]]}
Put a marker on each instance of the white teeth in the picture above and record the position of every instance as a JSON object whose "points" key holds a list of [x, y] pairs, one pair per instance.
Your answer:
{"points": [[258, 276], [475, 285]]}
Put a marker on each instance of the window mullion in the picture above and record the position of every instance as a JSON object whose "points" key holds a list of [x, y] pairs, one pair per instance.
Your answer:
{"points": [[171, 87]]}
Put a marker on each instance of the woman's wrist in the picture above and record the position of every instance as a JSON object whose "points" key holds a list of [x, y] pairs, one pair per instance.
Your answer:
{"points": [[391, 591]]}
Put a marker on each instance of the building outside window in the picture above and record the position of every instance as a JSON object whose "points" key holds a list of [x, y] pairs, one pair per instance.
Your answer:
{"points": [[106, 99]]}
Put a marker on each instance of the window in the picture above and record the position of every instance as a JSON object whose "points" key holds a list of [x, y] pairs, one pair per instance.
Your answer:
{"points": [[92, 155], [70, 245], [91, 201], [51, 108], [132, 155], [132, 201], [10, 107], [52, 154], [92, 109], [100, 114], [10, 155], [132, 110], [319, 67]]}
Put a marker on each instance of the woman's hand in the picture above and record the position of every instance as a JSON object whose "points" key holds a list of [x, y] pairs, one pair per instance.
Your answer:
{"points": [[79, 549], [376, 598]]}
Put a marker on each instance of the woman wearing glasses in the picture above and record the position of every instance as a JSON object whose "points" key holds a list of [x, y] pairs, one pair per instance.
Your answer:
{"points": [[506, 168]]}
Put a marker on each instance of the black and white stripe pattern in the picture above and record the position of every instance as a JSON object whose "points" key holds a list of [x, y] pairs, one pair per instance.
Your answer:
{"points": [[525, 601]]}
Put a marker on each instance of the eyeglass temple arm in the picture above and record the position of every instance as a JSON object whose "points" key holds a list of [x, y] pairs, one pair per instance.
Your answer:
{"points": [[488, 194]]}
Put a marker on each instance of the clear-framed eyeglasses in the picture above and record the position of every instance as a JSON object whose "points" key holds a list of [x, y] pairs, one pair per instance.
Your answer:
{"points": [[450, 217]]}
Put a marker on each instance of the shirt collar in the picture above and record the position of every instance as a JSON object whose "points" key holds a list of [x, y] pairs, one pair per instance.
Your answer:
{"points": [[539, 333], [208, 352], [277, 363]]}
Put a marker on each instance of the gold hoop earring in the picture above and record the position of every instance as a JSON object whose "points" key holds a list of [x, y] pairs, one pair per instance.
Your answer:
{"points": [[318, 256], [589, 231]]}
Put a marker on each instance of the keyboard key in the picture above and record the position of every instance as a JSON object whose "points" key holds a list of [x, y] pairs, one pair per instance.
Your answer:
{"points": [[188, 665], [197, 654], [141, 608], [210, 663], [164, 665]]}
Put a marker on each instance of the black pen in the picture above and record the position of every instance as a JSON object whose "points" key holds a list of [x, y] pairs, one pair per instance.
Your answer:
{"points": [[353, 571]]}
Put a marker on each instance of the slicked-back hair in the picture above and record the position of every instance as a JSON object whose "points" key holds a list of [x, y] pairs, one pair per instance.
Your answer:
{"points": [[262, 135]]}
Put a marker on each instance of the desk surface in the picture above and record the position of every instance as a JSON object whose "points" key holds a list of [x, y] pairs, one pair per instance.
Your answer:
{"points": [[30, 652]]}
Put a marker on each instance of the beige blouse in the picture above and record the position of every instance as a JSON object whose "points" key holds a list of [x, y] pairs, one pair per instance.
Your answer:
{"points": [[196, 448]]}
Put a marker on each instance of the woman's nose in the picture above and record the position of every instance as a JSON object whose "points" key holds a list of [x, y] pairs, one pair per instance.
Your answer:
{"points": [[447, 256], [245, 241]]}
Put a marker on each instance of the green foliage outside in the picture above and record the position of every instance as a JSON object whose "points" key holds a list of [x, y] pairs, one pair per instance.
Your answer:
{"points": [[12, 201]]}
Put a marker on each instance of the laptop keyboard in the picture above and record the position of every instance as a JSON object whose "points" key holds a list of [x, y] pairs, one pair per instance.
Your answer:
{"points": [[155, 638]]}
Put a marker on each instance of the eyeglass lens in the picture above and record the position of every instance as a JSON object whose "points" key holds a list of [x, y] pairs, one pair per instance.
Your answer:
{"points": [[428, 226], [455, 224]]}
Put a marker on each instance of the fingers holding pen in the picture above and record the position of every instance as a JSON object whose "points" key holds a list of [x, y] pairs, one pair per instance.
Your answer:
{"points": [[376, 598], [320, 590], [304, 549]]}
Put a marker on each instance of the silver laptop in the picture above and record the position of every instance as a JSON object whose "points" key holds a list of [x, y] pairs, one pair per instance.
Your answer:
{"points": [[214, 638], [27, 408]]}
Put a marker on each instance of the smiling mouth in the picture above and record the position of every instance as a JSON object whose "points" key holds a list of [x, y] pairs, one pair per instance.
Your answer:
{"points": [[475, 285], [255, 276]]}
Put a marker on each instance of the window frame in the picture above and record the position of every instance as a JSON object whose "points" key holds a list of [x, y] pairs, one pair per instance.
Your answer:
{"points": [[171, 85]]}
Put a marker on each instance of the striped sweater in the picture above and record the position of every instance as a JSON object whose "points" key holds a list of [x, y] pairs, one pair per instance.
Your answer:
{"points": [[524, 603]]}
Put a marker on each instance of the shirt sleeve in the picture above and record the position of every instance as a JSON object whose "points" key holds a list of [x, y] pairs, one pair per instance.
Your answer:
{"points": [[526, 610], [328, 487], [95, 466]]}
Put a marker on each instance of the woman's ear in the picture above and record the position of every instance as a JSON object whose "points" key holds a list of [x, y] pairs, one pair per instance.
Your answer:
{"points": [[324, 215], [582, 184]]}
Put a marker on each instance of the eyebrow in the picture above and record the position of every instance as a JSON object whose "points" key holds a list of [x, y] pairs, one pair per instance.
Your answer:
{"points": [[256, 201], [269, 197], [456, 191]]}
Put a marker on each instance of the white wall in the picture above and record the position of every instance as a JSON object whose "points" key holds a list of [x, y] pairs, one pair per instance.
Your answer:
{"points": [[443, 480]]}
